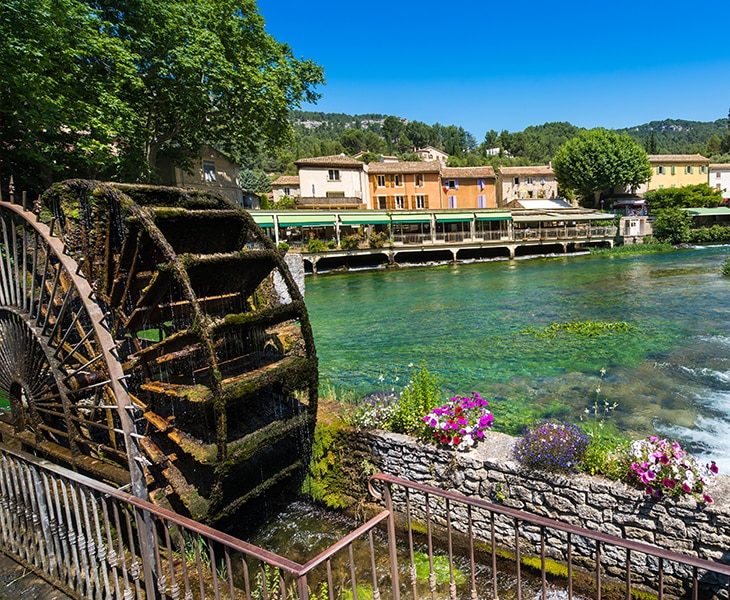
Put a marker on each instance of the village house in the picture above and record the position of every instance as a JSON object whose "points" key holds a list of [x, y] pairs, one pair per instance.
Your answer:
{"points": [[332, 182], [720, 179], [676, 170], [429, 153], [410, 185], [286, 186], [469, 187], [522, 183], [212, 171]]}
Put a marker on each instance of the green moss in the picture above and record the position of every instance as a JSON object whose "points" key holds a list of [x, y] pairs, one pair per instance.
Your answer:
{"points": [[581, 328], [441, 569], [328, 480]]}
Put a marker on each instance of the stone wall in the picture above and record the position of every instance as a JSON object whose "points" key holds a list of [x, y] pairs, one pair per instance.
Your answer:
{"points": [[490, 472]]}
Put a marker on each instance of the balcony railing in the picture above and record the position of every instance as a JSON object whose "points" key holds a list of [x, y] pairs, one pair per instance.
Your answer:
{"points": [[85, 537]]}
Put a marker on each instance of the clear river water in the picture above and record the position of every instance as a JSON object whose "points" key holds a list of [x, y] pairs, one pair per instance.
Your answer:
{"points": [[470, 324]]}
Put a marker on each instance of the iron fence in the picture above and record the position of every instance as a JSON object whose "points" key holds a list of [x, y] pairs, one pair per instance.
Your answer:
{"points": [[85, 537]]}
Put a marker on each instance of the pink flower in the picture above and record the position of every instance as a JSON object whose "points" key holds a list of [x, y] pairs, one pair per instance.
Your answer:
{"points": [[713, 468], [707, 498], [686, 487]]}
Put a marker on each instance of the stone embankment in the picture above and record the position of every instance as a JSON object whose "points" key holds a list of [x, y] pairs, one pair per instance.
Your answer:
{"points": [[490, 472]]}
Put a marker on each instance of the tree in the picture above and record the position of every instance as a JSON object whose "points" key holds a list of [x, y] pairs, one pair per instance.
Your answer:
{"points": [[699, 195], [393, 128], [651, 143], [599, 160], [672, 225], [255, 181], [106, 86]]}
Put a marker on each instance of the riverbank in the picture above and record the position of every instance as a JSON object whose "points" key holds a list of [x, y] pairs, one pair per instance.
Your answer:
{"points": [[466, 323]]}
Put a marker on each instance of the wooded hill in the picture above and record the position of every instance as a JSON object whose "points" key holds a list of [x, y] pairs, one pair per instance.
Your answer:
{"points": [[319, 134]]}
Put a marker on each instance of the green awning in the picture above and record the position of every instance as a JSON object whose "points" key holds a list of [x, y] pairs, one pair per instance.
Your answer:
{"points": [[263, 220], [493, 216], [564, 216], [399, 218], [306, 220], [454, 217], [364, 217], [718, 211]]}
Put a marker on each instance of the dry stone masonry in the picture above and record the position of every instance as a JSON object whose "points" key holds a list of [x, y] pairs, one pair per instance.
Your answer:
{"points": [[490, 472]]}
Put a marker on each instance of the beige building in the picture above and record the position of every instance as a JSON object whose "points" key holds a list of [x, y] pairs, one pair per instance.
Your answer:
{"points": [[524, 183], [329, 181], [429, 153], [676, 170], [213, 171], [286, 186]]}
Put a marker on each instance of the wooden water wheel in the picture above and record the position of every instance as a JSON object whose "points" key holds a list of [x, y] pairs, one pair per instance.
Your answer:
{"points": [[155, 336]]}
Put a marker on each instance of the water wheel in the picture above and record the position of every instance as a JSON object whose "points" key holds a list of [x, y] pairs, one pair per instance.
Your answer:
{"points": [[155, 337]]}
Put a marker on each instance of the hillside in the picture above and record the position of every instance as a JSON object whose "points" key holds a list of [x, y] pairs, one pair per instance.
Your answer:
{"points": [[320, 134]]}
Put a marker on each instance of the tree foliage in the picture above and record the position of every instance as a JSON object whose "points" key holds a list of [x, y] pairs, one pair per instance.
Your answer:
{"points": [[599, 160], [688, 196], [103, 87], [672, 225]]}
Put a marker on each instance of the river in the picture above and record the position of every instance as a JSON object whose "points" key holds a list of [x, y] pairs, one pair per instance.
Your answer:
{"points": [[470, 324]]}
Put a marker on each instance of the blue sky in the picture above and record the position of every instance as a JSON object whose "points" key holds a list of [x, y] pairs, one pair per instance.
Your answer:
{"points": [[489, 65]]}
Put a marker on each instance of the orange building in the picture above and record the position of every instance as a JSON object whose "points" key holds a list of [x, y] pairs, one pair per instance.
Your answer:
{"points": [[469, 187], [405, 185]]}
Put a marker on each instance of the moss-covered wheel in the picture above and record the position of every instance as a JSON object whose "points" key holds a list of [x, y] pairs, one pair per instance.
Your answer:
{"points": [[209, 334]]}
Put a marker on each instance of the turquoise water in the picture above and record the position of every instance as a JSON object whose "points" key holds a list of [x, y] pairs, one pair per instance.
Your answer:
{"points": [[669, 375]]}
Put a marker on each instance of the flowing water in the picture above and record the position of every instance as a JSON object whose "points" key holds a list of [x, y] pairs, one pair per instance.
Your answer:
{"points": [[470, 324], [302, 531]]}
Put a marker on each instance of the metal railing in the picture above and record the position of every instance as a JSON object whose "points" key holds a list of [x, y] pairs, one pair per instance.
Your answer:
{"points": [[84, 537]]}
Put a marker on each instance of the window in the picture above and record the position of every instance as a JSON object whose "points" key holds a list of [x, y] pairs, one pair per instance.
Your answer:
{"points": [[335, 194], [517, 181], [399, 203], [482, 201], [673, 169], [661, 186], [530, 180], [381, 180], [452, 201], [660, 170], [689, 169], [452, 184], [419, 180], [397, 181], [480, 184], [421, 201], [382, 202], [718, 175], [718, 186], [542, 181], [286, 191], [209, 171], [333, 175], [703, 169]]}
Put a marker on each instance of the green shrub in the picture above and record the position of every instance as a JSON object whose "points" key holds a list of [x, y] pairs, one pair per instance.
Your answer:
{"points": [[725, 269], [283, 246], [377, 239], [417, 399], [350, 242], [315, 245]]}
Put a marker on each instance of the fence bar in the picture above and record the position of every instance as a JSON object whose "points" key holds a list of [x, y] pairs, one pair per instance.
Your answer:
{"points": [[86, 537]]}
